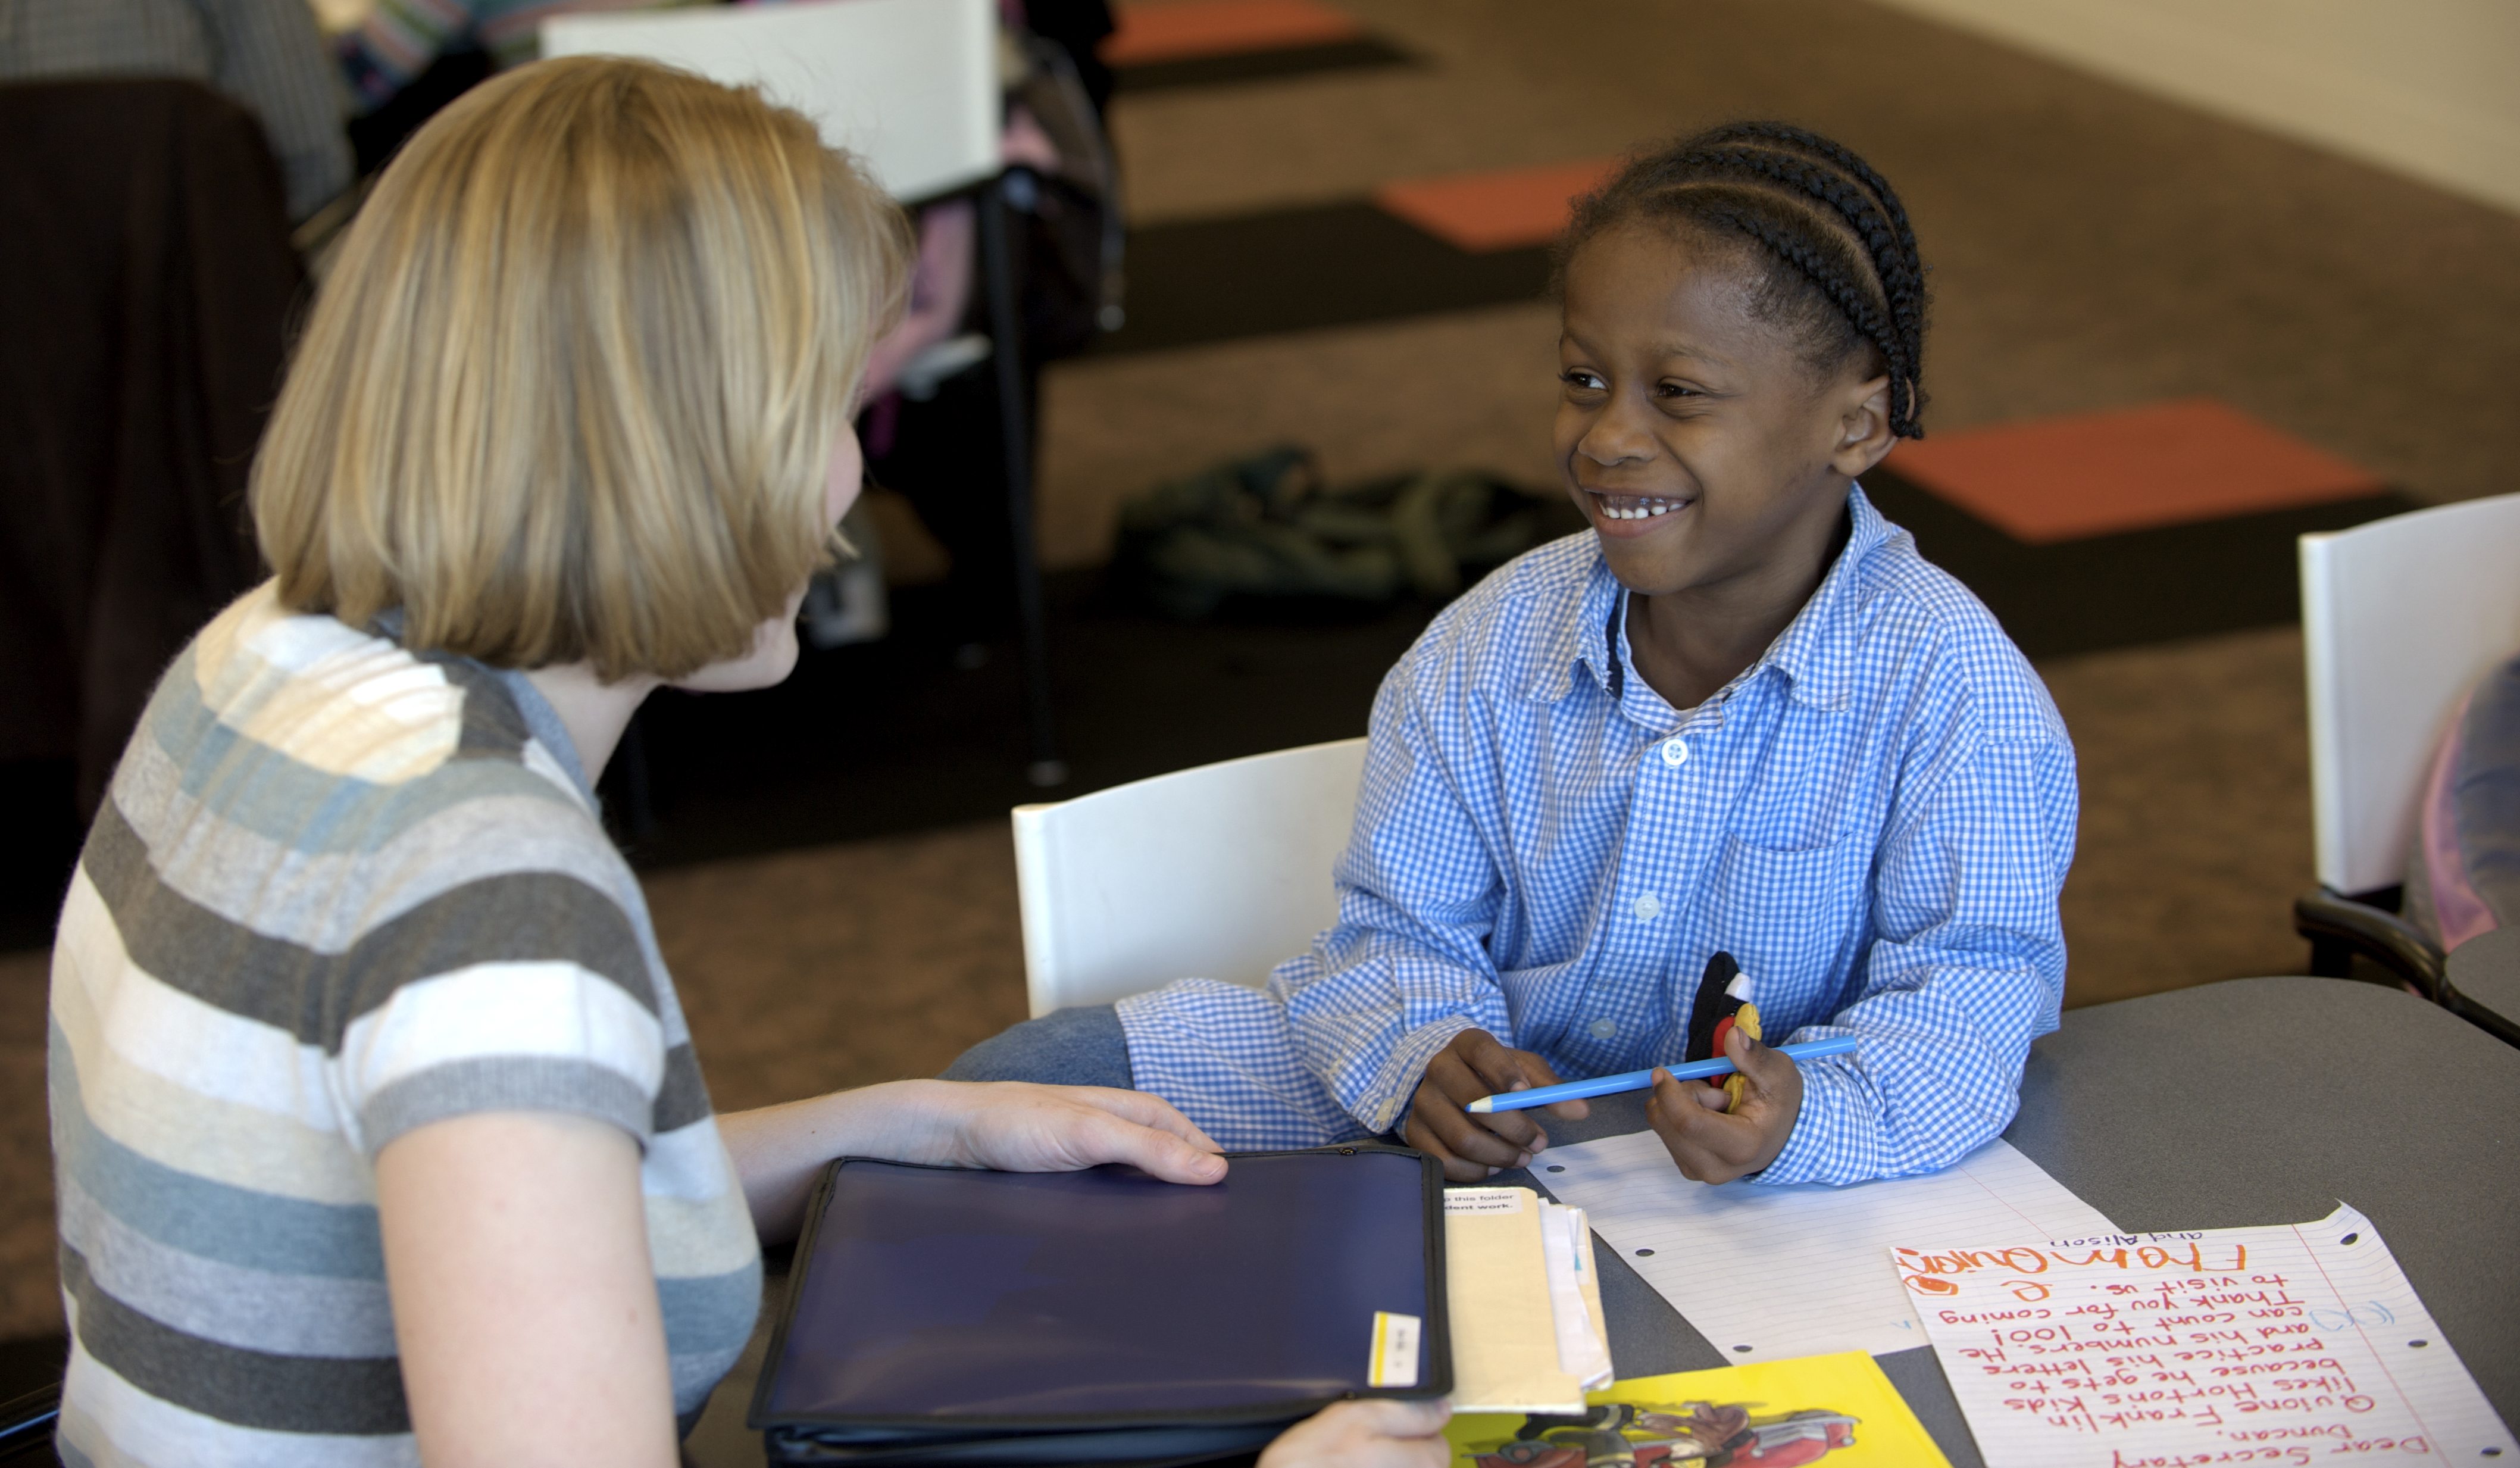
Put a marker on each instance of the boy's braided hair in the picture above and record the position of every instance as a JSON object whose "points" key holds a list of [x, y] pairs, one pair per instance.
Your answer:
{"points": [[1850, 280]]}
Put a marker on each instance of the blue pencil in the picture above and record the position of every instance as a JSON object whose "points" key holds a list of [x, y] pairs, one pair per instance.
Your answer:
{"points": [[1638, 1080]]}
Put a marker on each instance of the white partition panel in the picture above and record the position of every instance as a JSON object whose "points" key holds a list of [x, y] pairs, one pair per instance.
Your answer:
{"points": [[909, 85]]}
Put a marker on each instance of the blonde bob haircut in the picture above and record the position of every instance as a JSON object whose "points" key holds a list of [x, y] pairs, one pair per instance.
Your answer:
{"points": [[571, 391]]}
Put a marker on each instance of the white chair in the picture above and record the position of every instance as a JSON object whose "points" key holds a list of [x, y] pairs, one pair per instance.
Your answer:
{"points": [[2400, 618], [1219, 872], [911, 87]]}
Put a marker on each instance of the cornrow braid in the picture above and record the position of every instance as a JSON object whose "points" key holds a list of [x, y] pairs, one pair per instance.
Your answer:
{"points": [[1907, 303], [1851, 273], [1899, 347], [1836, 153]]}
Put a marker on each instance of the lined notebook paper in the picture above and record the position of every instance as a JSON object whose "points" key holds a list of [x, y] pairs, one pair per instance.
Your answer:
{"points": [[2222, 1346], [1767, 1272]]}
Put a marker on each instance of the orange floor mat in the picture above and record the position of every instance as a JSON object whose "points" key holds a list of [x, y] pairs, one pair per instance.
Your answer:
{"points": [[1510, 209], [1186, 29], [2101, 473]]}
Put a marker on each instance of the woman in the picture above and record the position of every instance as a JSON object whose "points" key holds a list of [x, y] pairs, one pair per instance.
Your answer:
{"points": [[379, 1135]]}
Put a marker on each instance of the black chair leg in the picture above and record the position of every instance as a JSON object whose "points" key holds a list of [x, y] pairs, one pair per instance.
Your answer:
{"points": [[1006, 332]]}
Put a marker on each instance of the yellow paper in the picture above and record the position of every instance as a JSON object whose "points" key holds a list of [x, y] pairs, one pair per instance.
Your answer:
{"points": [[1839, 1410], [1502, 1323]]}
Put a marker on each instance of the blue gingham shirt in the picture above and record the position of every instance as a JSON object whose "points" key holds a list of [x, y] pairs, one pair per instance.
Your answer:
{"points": [[1875, 818]]}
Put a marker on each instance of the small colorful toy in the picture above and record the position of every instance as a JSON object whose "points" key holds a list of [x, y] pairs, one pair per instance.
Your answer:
{"points": [[1723, 1006]]}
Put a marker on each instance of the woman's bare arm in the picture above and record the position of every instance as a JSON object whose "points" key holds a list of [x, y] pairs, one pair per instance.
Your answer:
{"points": [[524, 1303], [780, 1150]]}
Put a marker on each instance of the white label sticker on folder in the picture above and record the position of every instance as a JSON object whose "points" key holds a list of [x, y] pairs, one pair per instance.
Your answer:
{"points": [[1395, 1351]]}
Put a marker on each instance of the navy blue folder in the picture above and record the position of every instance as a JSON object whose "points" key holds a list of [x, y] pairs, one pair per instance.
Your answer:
{"points": [[938, 1314]]}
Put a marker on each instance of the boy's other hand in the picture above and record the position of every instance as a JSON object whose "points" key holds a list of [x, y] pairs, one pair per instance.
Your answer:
{"points": [[1713, 1145], [1473, 1146]]}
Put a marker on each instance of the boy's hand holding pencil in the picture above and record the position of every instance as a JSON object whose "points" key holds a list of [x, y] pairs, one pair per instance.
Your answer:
{"points": [[1712, 1144], [1723, 1115], [1475, 1146]]}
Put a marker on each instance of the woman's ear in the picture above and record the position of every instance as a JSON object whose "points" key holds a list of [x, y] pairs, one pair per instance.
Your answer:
{"points": [[1863, 435]]}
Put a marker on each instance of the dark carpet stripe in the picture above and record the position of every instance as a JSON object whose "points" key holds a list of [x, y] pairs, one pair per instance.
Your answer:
{"points": [[806, 763], [2144, 586], [889, 737], [1335, 264], [1258, 65]]}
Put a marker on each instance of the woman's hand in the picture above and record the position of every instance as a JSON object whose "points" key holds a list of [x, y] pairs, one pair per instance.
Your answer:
{"points": [[1020, 1127], [1379, 1433]]}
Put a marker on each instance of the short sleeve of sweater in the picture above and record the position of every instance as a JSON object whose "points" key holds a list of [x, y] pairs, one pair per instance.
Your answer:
{"points": [[516, 991]]}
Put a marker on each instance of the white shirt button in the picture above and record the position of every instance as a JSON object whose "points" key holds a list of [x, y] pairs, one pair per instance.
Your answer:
{"points": [[1674, 752], [1648, 906], [1604, 1028]]}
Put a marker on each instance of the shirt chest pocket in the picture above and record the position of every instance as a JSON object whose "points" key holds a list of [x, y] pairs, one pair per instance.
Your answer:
{"points": [[1792, 918]]}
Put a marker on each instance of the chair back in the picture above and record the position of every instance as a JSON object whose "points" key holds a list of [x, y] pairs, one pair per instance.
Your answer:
{"points": [[911, 86], [1219, 872], [2400, 618]]}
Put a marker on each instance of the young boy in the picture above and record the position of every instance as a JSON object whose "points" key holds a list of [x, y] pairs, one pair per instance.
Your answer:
{"points": [[1743, 715]]}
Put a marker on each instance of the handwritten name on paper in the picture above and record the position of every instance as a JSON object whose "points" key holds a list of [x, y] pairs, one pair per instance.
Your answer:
{"points": [[2288, 1345]]}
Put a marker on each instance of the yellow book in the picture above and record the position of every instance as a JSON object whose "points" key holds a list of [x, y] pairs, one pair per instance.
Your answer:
{"points": [[1834, 1409]]}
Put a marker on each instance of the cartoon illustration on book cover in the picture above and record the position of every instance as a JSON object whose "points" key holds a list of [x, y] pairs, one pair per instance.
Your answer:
{"points": [[1650, 1435], [1759, 1415]]}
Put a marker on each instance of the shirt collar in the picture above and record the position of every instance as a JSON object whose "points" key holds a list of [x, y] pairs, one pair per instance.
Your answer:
{"points": [[1584, 639], [1816, 652], [544, 722]]}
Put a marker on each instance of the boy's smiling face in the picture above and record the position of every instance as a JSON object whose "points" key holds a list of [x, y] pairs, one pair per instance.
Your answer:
{"points": [[1709, 454]]}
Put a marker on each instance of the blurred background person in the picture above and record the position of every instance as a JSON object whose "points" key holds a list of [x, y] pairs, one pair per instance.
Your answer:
{"points": [[264, 54]]}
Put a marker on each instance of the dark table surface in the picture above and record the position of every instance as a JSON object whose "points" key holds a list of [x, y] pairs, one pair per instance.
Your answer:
{"points": [[2252, 1101], [2246, 1103], [2486, 970]]}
